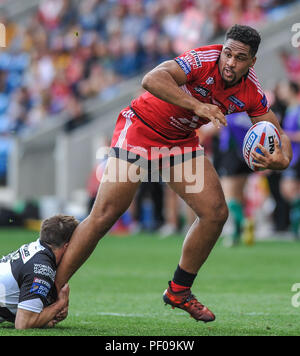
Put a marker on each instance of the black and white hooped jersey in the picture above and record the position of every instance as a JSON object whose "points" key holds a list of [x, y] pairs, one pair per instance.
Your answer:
{"points": [[27, 280]]}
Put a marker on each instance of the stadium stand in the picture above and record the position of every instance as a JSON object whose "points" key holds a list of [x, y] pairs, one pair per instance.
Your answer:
{"points": [[64, 51]]}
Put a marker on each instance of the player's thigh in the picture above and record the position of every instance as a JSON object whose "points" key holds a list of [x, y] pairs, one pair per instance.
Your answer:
{"points": [[205, 195], [118, 186]]}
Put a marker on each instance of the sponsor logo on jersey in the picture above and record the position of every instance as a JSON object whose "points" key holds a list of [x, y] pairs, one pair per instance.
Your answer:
{"points": [[210, 80], [44, 271], [24, 252], [231, 109], [42, 281], [11, 257], [29, 250], [196, 59], [264, 101], [40, 287], [236, 101], [184, 65], [201, 90]]}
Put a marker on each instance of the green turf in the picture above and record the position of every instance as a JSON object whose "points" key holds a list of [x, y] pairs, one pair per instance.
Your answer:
{"points": [[119, 289]]}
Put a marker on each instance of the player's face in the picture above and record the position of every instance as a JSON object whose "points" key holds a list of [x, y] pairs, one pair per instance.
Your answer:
{"points": [[235, 61]]}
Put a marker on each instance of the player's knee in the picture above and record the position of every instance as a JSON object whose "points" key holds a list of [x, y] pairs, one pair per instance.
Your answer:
{"points": [[105, 216], [223, 213], [218, 213]]}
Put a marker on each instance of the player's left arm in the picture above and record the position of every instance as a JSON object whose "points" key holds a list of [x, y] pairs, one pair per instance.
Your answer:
{"points": [[164, 82], [282, 155], [49, 316]]}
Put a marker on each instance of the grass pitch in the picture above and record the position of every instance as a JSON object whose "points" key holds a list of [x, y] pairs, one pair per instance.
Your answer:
{"points": [[118, 291]]}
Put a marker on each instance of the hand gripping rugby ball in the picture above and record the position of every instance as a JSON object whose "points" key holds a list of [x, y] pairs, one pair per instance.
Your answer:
{"points": [[263, 132]]}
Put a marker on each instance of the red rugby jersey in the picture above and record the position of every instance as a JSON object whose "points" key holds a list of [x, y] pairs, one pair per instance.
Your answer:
{"points": [[204, 82]]}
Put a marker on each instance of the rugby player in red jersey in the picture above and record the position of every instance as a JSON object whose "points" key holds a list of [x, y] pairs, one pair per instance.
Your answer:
{"points": [[200, 86]]}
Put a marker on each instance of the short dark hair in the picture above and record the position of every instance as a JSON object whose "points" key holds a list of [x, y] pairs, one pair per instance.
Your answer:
{"points": [[57, 230], [246, 35]]}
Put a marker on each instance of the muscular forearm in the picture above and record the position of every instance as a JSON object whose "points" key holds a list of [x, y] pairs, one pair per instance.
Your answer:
{"points": [[27, 320], [286, 147], [161, 84], [165, 83]]}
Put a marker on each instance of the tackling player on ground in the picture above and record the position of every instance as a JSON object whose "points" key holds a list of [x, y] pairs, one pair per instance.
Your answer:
{"points": [[200, 86], [28, 296]]}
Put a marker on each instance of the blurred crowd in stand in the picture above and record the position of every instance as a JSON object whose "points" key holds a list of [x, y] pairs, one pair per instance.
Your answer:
{"points": [[68, 51]]}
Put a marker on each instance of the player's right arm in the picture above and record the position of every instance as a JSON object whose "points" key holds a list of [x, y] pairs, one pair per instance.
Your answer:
{"points": [[26, 319], [164, 82]]}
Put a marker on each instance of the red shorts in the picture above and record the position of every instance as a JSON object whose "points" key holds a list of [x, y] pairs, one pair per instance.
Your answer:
{"points": [[134, 140]]}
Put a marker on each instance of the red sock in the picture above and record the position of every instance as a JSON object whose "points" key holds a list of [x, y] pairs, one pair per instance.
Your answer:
{"points": [[177, 287]]}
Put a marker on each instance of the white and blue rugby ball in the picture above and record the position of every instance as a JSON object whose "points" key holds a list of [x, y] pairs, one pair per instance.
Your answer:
{"points": [[263, 132]]}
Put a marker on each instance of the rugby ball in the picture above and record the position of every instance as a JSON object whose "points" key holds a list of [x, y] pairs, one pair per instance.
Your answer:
{"points": [[263, 132]]}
